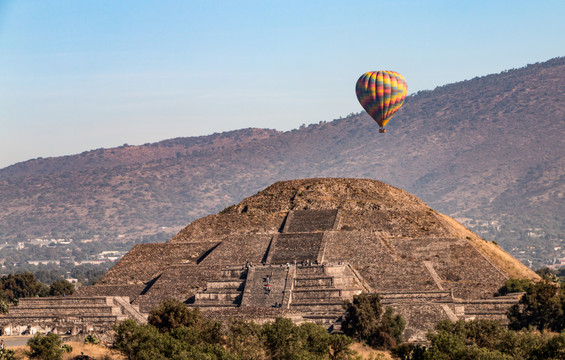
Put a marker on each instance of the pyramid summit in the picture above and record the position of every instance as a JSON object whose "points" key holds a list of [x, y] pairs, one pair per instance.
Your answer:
{"points": [[299, 248]]}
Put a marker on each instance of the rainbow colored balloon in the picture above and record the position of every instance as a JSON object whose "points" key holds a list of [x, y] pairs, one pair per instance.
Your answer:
{"points": [[381, 93]]}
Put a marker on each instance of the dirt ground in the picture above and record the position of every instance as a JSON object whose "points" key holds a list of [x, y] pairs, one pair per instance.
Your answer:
{"points": [[95, 351], [18, 343], [369, 353]]}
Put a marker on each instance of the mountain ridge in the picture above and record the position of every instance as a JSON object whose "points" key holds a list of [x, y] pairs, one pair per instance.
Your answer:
{"points": [[487, 151]]}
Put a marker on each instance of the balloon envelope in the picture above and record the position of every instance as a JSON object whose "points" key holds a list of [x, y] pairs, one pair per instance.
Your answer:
{"points": [[381, 93]]}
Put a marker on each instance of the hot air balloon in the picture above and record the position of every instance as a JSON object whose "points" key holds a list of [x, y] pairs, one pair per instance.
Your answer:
{"points": [[381, 93]]}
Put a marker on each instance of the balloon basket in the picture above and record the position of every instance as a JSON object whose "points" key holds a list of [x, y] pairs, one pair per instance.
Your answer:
{"points": [[382, 131]]}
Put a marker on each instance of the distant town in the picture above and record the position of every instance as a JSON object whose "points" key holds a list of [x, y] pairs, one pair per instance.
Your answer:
{"points": [[533, 246]]}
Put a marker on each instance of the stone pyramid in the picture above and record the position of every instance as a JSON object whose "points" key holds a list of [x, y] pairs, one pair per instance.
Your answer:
{"points": [[299, 248]]}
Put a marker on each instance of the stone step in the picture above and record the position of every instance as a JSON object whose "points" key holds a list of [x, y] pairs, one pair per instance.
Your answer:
{"points": [[220, 284], [296, 247], [60, 306], [210, 296], [487, 307], [324, 317], [63, 300], [309, 271], [313, 281], [234, 272], [312, 307], [64, 311], [215, 304], [223, 290], [69, 319], [310, 220], [479, 312], [315, 293], [439, 296]]}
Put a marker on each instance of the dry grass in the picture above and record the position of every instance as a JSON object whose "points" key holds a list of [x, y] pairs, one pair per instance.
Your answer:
{"points": [[368, 353], [95, 351]]}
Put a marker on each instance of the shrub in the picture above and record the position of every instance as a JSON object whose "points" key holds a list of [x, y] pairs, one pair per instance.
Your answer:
{"points": [[284, 340], [61, 288], [541, 307], [6, 354], [4, 304], [513, 286], [45, 347], [172, 314], [67, 348], [487, 339], [91, 339], [364, 321], [15, 286], [339, 347], [245, 339], [409, 352], [137, 342]]}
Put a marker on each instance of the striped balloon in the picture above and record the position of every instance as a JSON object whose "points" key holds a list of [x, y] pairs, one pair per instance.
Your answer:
{"points": [[381, 93]]}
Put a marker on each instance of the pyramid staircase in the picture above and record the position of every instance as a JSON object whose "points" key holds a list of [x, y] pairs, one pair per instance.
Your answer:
{"points": [[225, 292], [319, 292]]}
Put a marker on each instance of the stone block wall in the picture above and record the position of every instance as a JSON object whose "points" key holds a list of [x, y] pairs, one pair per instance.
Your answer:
{"points": [[178, 282], [310, 220], [146, 261], [289, 247], [62, 315], [235, 250], [460, 266], [379, 263]]}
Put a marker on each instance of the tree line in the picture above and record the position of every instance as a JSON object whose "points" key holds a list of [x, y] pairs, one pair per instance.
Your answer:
{"points": [[536, 331], [25, 285]]}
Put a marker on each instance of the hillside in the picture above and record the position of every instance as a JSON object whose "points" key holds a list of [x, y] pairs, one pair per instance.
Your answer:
{"points": [[487, 151]]}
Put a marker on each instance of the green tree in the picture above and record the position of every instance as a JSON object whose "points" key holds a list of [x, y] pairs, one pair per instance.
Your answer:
{"points": [[315, 339], [365, 321], [245, 339], [391, 329], [172, 314], [514, 286], [146, 342], [542, 306], [548, 274], [138, 342], [15, 286], [284, 340], [280, 339], [4, 304], [487, 339], [45, 347], [447, 345], [409, 352], [61, 288], [340, 347], [47, 276]]}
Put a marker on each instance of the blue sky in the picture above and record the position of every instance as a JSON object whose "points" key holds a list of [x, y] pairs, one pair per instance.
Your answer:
{"points": [[79, 74]]}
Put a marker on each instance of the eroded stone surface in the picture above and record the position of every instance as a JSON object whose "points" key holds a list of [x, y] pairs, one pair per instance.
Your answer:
{"points": [[320, 241]]}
